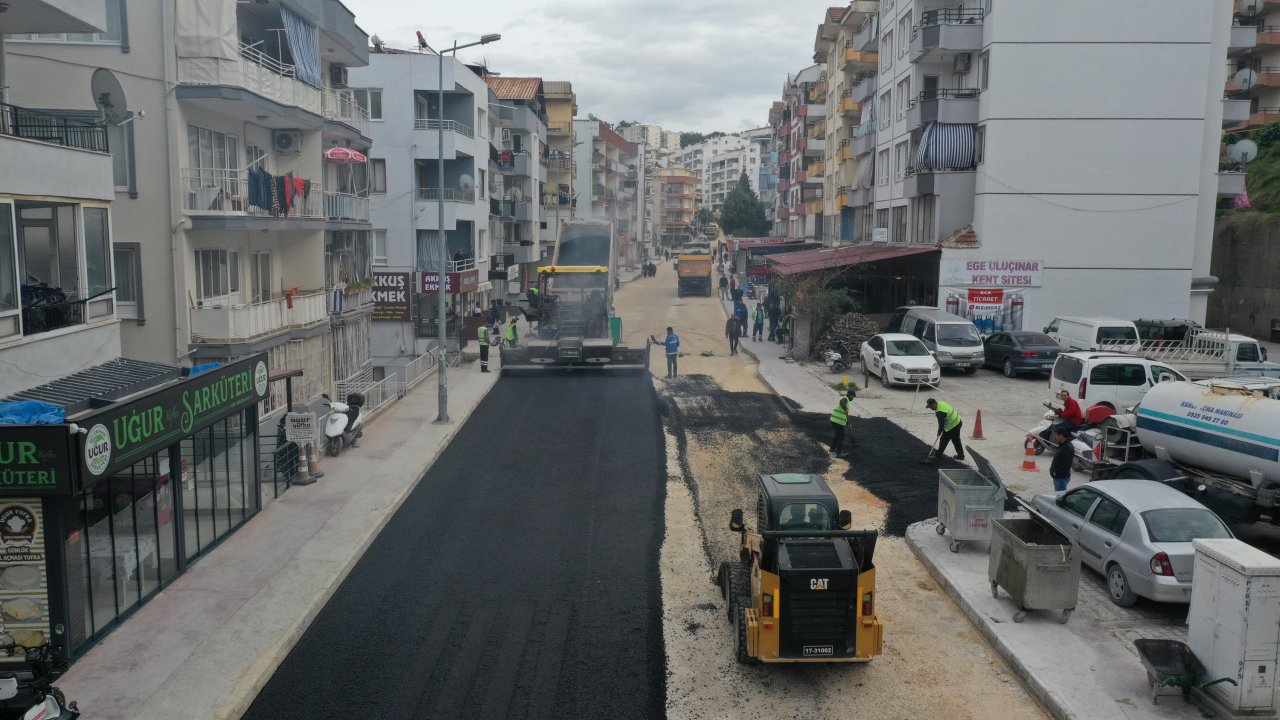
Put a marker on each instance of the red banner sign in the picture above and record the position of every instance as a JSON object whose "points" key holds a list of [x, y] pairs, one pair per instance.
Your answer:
{"points": [[986, 300], [454, 282]]}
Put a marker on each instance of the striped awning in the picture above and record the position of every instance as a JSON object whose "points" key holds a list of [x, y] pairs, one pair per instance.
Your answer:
{"points": [[869, 111], [945, 146]]}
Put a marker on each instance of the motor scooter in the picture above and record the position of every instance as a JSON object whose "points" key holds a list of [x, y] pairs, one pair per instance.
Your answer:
{"points": [[31, 695], [1086, 440], [838, 357], [345, 423]]}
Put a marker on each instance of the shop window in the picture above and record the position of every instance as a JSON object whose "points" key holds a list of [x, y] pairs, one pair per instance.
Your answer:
{"points": [[216, 494]]}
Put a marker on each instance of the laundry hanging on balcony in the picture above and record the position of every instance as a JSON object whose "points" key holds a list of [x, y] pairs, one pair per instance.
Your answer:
{"points": [[304, 45], [945, 146], [276, 194]]}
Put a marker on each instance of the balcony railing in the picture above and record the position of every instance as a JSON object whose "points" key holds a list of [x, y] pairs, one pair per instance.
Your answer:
{"points": [[345, 206], [430, 194], [257, 72], [46, 317], [219, 191], [51, 128], [342, 299], [460, 265], [948, 16], [449, 126], [558, 163], [342, 107], [246, 322], [559, 128]]}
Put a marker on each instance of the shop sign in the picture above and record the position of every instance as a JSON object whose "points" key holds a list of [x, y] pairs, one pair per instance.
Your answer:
{"points": [[24, 585], [499, 265], [117, 437], [990, 273], [990, 309], [300, 427], [454, 283], [35, 460], [391, 296]]}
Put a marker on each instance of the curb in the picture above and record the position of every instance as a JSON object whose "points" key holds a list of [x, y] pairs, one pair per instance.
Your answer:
{"points": [[1037, 689], [791, 409], [246, 689]]}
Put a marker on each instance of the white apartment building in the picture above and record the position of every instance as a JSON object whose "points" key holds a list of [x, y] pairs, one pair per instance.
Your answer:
{"points": [[1012, 136], [407, 216], [606, 176], [237, 228], [723, 170], [523, 158]]}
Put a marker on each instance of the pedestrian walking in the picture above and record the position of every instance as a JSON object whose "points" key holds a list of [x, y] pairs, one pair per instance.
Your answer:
{"points": [[772, 313], [513, 335], [949, 424], [1060, 468], [840, 422], [733, 331], [757, 324], [740, 314], [672, 343], [482, 337], [724, 288]]}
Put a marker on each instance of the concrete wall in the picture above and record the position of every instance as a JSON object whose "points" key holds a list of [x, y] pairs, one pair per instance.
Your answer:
{"points": [[1246, 253], [49, 356]]}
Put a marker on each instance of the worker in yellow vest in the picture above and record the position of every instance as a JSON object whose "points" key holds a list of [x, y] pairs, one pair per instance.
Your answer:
{"points": [[513, 336], [482, 337], [840, 421], [949, 424]]}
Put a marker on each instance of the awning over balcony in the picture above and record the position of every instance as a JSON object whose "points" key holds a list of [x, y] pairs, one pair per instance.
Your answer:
{"points": [[945, 146], [866, 174], [304, 45], [801, 262], [207, 33]]}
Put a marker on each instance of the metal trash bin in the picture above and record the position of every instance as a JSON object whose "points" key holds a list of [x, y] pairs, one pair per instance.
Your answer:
{"points": [[968, 501], [1036, 564]]}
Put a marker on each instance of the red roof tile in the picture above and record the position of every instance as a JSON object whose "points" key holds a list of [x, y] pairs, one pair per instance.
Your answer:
{"points": [[835, 14], [808, 260], [515, 88]]}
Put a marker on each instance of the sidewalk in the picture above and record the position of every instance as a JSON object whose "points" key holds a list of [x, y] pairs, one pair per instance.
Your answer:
{"points": [[206, 645]]}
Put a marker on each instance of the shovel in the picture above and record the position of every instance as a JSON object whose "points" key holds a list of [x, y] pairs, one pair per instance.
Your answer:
{"points": [[933, 452]]}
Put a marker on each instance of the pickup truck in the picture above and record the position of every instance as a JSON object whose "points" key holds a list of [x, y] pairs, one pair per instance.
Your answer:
{"points": [[1202, 354]]}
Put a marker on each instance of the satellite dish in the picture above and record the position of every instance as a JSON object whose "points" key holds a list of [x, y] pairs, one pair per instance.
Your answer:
{"points": [[1245, 78], [1243, 151], [465, 182], [109, 96]]}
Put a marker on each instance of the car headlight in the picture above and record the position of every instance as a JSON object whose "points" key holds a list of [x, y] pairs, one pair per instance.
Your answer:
{"points": [[935, 367], [944, 353], [898, 367]]}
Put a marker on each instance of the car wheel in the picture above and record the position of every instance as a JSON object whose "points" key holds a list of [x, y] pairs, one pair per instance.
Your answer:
{"points": [[1008, 369], [884, 378], [1118, 587]]}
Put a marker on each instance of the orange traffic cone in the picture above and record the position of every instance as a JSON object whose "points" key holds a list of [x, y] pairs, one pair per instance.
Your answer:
{"points": [[304, 476], [1029, 463], [977, 427], [313, 462]]}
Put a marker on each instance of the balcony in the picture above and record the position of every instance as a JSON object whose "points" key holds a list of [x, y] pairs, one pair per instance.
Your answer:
{"points": [[846, 151], [449, 126], [516, 163], [72, 153], [954, 183], [858, 197], [430, 194], [558, 164], [817, 93], [238, 323], [945, 31], [559, 128], [853, 60], [345, 206], [817, 169], [819, 130], [863, 143], [1243, 39], [341, 106], [47, 317], [341, 299], [802, 176], [1257, 118], [256, 72], [848, 105], [212, 191], [51, 128], [502, 209], [866, 39], [524, 210], [945, 106], [1230, 181], [815, 146], [814, 207], [864, 88], [1268, 36]]}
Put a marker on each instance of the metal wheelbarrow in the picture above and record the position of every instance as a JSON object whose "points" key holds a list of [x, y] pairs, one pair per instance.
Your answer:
{"points": [[1170, 663]]}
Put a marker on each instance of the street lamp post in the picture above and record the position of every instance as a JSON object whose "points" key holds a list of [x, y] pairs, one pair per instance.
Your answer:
{"points": [[442, 336]]}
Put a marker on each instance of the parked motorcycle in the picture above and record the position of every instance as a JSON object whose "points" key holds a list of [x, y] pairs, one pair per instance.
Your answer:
{"points": [[1086, 440], [345, 424], [838, 357], [31, 695]]}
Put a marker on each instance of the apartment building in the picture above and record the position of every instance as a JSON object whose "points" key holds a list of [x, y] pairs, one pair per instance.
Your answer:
{"points": [[675, 199], [523, 159], [241, 199], [1253, 66], [723, 171], [766, 179], [606, 163], [800, 144], [1006, 138], [408, 212], [559, 195]]}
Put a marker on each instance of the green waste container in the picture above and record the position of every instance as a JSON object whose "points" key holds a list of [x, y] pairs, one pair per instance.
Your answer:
{"points": [[615, 329]]}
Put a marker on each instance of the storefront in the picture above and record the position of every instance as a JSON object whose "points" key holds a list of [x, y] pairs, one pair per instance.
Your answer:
{"points": [[101, 512]]}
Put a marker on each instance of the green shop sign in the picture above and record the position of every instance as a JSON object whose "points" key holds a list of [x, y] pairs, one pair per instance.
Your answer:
{"points": [[35, 460], [117, 437]]}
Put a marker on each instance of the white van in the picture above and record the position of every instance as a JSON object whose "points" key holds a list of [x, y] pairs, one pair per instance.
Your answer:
{"points": [[1094, 333], [1106, 378], [953, 340]]}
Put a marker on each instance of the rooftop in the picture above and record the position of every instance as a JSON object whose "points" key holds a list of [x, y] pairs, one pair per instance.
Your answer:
{"points": [[515, 88]]}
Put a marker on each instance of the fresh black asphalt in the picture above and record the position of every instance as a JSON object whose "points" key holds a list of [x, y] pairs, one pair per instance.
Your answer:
{"points": [[518, 580]]}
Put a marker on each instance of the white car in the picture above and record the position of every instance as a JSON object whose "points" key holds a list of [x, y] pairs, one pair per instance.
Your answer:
{"points": [[900, 359], [1117, 380]]}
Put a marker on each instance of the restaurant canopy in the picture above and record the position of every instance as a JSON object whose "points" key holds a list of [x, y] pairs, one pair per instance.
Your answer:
{"points": [[811, 260]]}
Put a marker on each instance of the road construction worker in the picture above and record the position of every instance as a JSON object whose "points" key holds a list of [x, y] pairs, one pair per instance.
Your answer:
{"points": [[840, 421], [482, 337], [512, 335], [672, 343], [949, 424], [757, 322]]}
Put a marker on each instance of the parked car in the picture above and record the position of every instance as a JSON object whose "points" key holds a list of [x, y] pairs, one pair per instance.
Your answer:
{"points": [[1164, 331], [954, 340], [1094, 333], [1136, 533], [1020, 351], [1115, 380], [899, 359]]}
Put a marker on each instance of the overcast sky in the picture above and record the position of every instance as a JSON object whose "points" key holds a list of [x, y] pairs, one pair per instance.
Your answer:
{"points": [[684, 64]]}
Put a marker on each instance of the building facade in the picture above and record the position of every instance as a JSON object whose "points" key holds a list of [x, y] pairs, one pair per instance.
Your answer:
{"points": [[560, 195], [523, 159], [603, 165], [675, 200], [800, 144]]}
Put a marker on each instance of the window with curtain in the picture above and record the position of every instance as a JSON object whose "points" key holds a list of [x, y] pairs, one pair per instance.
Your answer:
{"points": [[377, 176], [370, 100], [217, 274]]}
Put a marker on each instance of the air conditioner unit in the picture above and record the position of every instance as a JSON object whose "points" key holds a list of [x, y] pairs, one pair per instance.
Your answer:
{"points": [[338, 75], [506, 134], [287, 142], [963, 62]]}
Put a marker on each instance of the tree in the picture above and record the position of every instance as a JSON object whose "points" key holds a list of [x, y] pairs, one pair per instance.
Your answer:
{"points": [[690, 138], [704, 216], [743, 214]]}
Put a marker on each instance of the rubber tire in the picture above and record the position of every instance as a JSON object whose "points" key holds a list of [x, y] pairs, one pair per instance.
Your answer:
{"points": [[884, 379], [941, 529], [1009, 372], [740, 637], [1127, 597], [1038, 447], [335, 446], [722, 580], [739, 589]]}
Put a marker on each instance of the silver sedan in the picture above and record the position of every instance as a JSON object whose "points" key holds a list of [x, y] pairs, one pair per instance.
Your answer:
{"points": [[1137, 533]]}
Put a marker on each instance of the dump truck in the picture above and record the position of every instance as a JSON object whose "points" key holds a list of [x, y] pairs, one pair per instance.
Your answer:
{"points": [[572, 313], [693, 270], [803, 588], [1217, 440]]}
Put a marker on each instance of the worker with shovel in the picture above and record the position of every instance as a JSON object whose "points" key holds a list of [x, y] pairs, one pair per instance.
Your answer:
{"points": [[840, 422], [949, 424]]}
